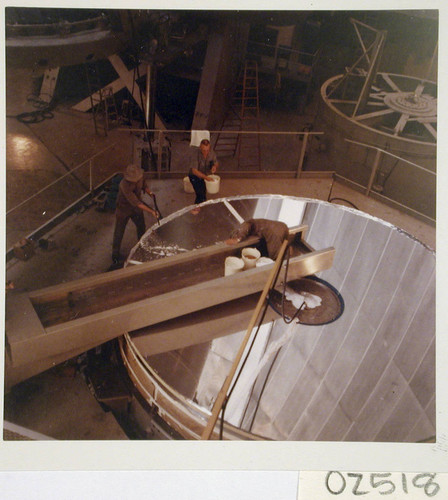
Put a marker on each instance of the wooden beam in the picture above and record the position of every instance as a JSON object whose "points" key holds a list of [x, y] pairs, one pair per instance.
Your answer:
{"points": [[111, 323], [198, 327], [38, 340]]}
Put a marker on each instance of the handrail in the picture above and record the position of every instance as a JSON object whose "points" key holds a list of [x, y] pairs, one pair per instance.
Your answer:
{"points": [[160, 133], [70, 172], [282, 48], [56, 28], [267, 132], [375, 166], [391, 154]]}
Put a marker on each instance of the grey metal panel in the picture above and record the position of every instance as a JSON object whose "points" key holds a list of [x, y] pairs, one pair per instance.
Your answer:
{"points": [[335, 428], [325, 226], [306, 338], [282, 381], [308, 426], [349, 355], [431, 409], [309, 213], [423, 429], [351, 231], [418, 337], [365, 378], [424, 380], [380, 405], [402, 418], [264, 426], [408, 297], [387, 277], [328, 343], [245, 207], [366, 256], [296, 402]]}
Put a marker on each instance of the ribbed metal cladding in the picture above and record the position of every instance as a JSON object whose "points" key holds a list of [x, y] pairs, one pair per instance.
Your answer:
{"points": [[370, 375]]}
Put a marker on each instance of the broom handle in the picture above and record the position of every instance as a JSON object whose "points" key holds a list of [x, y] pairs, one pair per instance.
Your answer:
{"points": [[206, 433]]}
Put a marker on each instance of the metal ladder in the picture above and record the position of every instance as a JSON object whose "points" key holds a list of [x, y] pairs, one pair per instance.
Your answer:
{"points": [[110, 108], [227, 142], [102, 101], [243, 114], [249, 143]]}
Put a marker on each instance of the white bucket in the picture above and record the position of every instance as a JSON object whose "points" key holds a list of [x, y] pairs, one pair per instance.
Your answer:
{"points": [[213, 186], [233, 265], [264, 261], [188, 187], [250, 257]]}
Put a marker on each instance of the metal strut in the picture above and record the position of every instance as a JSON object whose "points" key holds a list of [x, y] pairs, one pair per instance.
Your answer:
{"points": [[222, 395]]}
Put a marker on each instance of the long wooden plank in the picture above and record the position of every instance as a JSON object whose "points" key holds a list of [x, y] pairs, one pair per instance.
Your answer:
{"points": [[108, 324], [63, 303], [61, 290], [198, 327]]}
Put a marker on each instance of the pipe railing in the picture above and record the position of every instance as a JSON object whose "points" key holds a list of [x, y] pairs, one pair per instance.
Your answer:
{"points": [[57, 28], [161, 134], [35, 215], [89, 162], [379, 156]]}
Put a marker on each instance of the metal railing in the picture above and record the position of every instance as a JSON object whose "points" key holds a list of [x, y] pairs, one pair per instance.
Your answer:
{"points": [[369, 189], [57, 28], [278, 53], [280, 154], [35, 212]]}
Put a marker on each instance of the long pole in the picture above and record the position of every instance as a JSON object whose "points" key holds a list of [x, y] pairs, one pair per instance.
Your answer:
{"points": [[225, 387]]}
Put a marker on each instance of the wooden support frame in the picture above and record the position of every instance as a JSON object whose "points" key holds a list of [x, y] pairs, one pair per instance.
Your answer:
{"points": [[35, 346]]}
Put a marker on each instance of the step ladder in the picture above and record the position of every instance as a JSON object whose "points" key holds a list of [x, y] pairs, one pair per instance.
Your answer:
{"points": [[110, 107], [249, 143], [102, 101], [226, 141]]}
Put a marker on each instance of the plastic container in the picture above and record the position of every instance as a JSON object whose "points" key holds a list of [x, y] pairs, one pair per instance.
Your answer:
{"points": [[188, 187], [213, 186], [264, 261], [233, 265], [250, 257]]}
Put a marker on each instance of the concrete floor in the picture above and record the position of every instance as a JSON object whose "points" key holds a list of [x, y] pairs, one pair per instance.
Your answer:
{"points": [[38, 154]]}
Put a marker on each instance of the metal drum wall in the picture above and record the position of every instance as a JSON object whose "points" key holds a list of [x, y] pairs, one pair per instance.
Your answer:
{"points": [[368, 376]]}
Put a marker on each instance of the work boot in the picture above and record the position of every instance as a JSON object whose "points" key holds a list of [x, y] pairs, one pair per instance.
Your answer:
{"points": [[117, 263], [116, 259]]}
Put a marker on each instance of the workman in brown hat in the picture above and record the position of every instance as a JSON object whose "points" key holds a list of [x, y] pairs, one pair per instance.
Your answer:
{"points": [[272, 233], [130, 206]]}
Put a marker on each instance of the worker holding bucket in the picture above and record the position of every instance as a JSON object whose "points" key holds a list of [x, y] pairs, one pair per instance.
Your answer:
{"points": [[202, 169]]}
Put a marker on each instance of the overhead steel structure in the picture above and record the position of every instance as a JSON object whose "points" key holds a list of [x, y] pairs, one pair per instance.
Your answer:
{"points": [[395, 113]]}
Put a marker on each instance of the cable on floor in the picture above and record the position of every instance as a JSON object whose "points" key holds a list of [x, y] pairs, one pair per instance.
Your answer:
{"points": [[346, 201], [43, 111]]}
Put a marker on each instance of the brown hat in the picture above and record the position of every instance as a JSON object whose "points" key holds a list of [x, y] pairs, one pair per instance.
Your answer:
{"points": [[133, 173]]}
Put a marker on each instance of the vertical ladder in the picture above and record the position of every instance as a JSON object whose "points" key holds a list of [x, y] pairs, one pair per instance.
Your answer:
{"points": [[110, 108], [96, 98], [249, 144]]}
